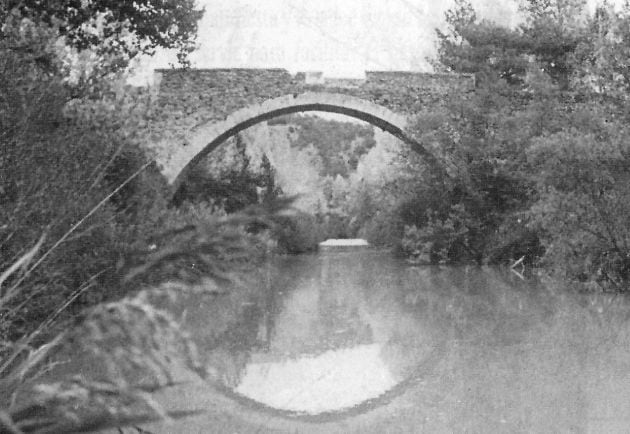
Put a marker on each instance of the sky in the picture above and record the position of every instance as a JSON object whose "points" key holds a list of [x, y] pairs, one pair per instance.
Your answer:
{"points": [[342, 38]]}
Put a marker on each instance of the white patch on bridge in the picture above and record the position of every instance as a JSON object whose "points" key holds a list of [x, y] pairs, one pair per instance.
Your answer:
{"points": [[344, 242], [174, 158]]}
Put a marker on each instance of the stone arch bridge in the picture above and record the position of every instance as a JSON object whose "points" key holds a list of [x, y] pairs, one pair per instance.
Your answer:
{"points": [[203, 107]]}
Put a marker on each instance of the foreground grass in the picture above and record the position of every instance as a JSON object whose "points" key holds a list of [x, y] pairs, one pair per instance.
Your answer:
{"points": [[128, 337]]}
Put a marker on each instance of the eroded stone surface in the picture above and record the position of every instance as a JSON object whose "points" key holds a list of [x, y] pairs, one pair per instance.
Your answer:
{"points": [[202, 107]]}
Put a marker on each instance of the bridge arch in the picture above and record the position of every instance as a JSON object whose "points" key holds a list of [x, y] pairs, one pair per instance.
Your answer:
{"points": [[205, 138]]}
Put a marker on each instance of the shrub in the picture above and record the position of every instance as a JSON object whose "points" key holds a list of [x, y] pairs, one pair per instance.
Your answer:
{"points": [[584, 204], [298, 234], [127, 337], [131, 337], [63, 154]]}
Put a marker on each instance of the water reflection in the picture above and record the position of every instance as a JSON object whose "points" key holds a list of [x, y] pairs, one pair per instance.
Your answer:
{"points": [[330, 338], [335, 330], [466, 349], [329, 381]]}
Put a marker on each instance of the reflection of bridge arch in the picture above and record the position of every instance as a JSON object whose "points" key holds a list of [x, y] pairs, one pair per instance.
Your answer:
{"points": [[207, 137]]}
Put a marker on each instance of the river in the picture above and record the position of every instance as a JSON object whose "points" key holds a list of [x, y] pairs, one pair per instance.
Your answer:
{"points": [[364, 342]]}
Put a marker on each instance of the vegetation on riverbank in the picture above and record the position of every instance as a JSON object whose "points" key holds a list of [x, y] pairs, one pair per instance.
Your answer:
{"points": [[539, 154], [536, 158], [80, 201], [537, 163]]}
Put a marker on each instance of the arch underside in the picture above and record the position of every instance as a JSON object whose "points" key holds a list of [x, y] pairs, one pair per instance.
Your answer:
{"points": [[207, 138]]}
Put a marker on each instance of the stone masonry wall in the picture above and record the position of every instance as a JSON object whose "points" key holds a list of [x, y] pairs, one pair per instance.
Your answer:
{"points": [[189, 98]]}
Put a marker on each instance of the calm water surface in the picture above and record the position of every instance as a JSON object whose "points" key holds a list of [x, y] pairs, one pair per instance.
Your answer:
{"points": [[338, 335]]}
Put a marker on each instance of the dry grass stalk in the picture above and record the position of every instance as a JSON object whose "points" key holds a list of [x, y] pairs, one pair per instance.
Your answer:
{"points": [[131, 337]]}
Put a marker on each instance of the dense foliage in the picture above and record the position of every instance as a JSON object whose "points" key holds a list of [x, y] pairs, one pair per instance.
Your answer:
{"points": [[539, 152], [118, 29], [230, 181], [536, 171], [71, 165], [87, 238]]}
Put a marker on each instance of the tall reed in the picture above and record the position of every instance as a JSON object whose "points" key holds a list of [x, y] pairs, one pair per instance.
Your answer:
{"points": [[128, 337]]}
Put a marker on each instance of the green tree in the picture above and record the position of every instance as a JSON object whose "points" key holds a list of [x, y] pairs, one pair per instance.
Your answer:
{"points": [[483, 48], [227, 180], [548, 39], [271, 191], [604, 57], [70, 161], [554, 30], [584, 196], [540, 147], [121, 29]]}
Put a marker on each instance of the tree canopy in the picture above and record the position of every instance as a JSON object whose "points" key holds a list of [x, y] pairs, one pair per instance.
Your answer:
{"points": [[552, 32], [541, 144], [117, 28]]}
